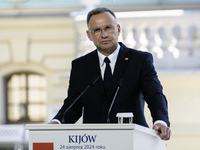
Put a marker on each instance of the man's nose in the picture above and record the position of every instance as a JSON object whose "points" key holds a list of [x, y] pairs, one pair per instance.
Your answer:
{"points": [[103, 33]]}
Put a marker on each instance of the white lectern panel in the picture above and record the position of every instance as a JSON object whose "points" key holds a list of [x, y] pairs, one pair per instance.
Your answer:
{"points": [[93, 137]]}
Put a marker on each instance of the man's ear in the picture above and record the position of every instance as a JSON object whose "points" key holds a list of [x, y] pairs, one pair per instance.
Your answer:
{"points": [[118, 29], [89, 35]]}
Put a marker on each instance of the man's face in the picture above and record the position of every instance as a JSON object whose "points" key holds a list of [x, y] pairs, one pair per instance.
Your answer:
{"points": [[104, 32]]}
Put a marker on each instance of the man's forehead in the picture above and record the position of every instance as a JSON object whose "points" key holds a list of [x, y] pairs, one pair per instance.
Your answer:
{"points": [[102, 20]]}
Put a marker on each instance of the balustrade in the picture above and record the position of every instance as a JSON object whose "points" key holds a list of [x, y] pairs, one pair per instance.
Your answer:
{"points": [[173, 39]]}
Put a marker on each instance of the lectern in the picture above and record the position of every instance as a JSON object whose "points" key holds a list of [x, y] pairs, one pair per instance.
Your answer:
{"points": [[93, 137]]}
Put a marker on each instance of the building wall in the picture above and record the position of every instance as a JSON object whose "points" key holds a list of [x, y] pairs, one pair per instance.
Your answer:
{"points": [[182, 92], [37, 45]]}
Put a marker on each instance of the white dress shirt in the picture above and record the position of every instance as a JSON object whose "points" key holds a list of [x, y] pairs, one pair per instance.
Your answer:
{"points": [[112, 57]]}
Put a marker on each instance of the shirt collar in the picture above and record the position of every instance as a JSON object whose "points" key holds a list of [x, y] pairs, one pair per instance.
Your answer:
{"points": [[112, 57]]}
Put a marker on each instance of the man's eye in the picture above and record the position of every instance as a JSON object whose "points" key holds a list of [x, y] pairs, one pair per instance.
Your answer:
{"points": [[108, 27], [97, 30]]}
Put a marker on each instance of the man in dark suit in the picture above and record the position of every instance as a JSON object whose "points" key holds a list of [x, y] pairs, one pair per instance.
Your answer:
{"points": [[130, 69]]}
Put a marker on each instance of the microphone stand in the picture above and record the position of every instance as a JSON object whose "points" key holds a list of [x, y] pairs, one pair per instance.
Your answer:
{"points": [[93, 82], [118, 87]]}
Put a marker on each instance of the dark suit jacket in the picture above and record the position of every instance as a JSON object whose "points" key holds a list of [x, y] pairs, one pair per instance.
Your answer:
{"points": [[140, 83]]}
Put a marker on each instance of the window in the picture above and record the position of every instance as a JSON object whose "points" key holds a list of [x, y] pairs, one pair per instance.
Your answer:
{"points": [[26, 98]]}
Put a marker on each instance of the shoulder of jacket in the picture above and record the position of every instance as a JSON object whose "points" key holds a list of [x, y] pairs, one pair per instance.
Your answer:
{"points": [[136, 52], [84, 57]]}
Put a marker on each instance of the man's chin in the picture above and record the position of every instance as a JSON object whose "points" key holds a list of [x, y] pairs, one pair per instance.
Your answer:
{"points": [[106, 51], [106, 46]]}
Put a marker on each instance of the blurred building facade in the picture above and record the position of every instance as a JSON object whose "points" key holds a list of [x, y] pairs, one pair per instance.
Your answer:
{"points": [[39, 39]]}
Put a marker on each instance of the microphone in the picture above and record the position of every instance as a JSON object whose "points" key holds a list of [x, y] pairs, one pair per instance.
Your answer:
{"points": [[118, 87], [89, 85]]}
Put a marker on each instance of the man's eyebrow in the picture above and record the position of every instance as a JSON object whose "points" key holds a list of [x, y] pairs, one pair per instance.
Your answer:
{"points": [[103, 27]]}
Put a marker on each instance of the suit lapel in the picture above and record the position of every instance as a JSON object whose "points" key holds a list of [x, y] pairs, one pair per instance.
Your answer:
{"points": [[120, 67], [94, 70], [93, 63]]}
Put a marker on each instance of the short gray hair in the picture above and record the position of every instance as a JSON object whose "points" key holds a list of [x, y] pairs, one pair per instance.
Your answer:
{"points": [[98, 11]]}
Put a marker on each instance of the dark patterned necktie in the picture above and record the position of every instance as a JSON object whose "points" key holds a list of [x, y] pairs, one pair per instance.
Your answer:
{"points": [[107, 75]]}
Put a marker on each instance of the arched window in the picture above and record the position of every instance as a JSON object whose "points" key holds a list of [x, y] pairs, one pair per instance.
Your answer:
{"points": [[26, 98]]}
